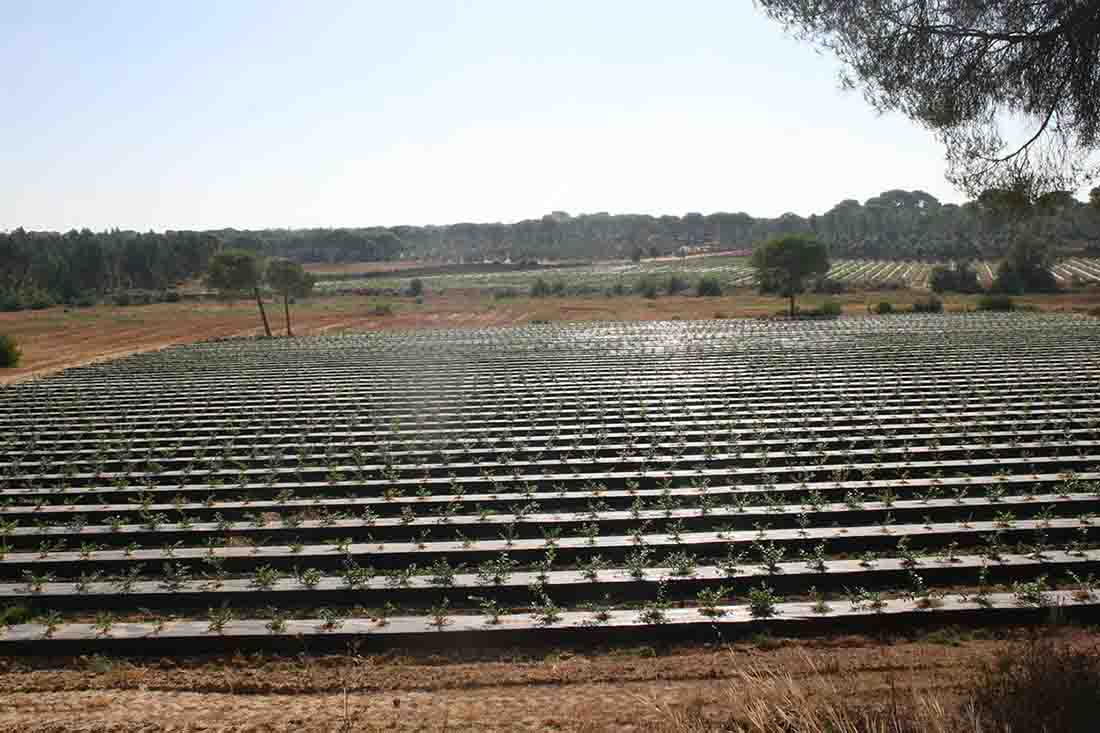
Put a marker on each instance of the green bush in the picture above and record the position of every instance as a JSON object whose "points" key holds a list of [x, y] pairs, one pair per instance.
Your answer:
{"points": [[996, 302], [416, 287], [539, 288], [123, 298], [17, 614], [172, 296], [709, 286], [932, 305], [830, 308], [10, 302], [9, 352], [676, 284], [382, 309], [503, 293], [558, 288], [884, 308], [647, 287], [40, 300]]}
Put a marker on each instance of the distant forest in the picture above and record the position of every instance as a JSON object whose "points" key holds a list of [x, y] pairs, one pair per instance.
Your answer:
{"points": [[42, 266]]}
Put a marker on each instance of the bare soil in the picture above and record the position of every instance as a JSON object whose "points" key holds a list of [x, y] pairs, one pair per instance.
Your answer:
{"points": [[58, 338], [630, 689]]}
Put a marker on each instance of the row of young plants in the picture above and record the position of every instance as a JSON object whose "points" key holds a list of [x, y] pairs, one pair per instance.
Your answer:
{"points": [[722, 467]]}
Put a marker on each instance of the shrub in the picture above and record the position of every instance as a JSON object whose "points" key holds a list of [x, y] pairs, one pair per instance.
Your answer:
{"points": [[382, 309], [539, 288], [829, 286], [709, 286], [931, 305], [416, 287], [172, 296], [558, 288], [996, 302], [39, 300], [884, 308], [17, 614], [87, 300], [505, 293], [1045, 686], [958, 278], [10, 302], [676, 284], [830, 308], [123, 298], [647, 287], [9, 352]]}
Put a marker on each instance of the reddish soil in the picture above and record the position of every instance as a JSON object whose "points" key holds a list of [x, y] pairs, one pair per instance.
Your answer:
{"points": [[58, 338], [621, 690]]}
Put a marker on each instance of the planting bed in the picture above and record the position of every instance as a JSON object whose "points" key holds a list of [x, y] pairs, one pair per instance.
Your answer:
{"points": [[543, 482]]}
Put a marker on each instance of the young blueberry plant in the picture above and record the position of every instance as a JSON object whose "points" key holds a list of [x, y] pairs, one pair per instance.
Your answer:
{"points": [[762, 602], [708, 600]]}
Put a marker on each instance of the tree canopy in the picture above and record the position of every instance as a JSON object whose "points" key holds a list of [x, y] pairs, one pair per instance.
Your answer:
{"points": [[289, 279], [236, 271], [783, 265], [895, 224], [962, 67]]}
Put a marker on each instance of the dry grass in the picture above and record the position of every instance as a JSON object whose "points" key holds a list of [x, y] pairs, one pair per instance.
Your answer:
{"points": [[846, 684], [1042, 686], [763, 700]]}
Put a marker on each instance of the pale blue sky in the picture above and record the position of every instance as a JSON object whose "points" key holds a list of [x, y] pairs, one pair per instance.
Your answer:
{"points": [[268, 114]]}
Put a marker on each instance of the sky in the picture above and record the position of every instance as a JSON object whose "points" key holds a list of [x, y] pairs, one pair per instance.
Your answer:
{"points": [[254, 114]]}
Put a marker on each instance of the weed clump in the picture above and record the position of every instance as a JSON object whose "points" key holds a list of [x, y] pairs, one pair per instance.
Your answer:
{"points": [[709, 286], [996, 302], [10, 354]]}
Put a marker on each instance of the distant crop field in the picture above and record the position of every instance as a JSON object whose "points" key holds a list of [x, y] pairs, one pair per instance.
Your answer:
{"points": [[520, 485], [730, 272]]}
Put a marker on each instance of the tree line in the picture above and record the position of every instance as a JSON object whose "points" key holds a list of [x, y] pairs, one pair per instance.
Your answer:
{"points": [[44, 267]]}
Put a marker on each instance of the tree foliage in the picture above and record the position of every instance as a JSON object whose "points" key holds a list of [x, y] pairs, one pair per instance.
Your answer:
{"points": [[1026, 269], [958, 277], [234, 271], [289, 279], [783, 265], [237, 271], [960, 67]]}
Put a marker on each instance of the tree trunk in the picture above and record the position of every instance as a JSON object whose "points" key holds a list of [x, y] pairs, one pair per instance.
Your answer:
{"points": [[286, 309], [792, 305], [263, 313]]}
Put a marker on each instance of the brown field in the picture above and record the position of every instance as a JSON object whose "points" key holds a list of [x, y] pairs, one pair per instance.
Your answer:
{"points": [[58, 338], [625, 689]]}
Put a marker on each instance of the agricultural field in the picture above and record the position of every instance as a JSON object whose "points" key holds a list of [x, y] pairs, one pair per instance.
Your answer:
{"points": [[694, 479], [730, 272]]}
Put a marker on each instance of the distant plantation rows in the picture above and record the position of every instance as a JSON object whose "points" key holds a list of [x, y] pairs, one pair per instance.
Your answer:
{"points": [[684, 275]]}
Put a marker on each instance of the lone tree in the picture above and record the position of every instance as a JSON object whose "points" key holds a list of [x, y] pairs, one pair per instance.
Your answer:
{"points": [[1026, 269], [783, 265], [960, 67], [237, 271], [291, 281]]}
